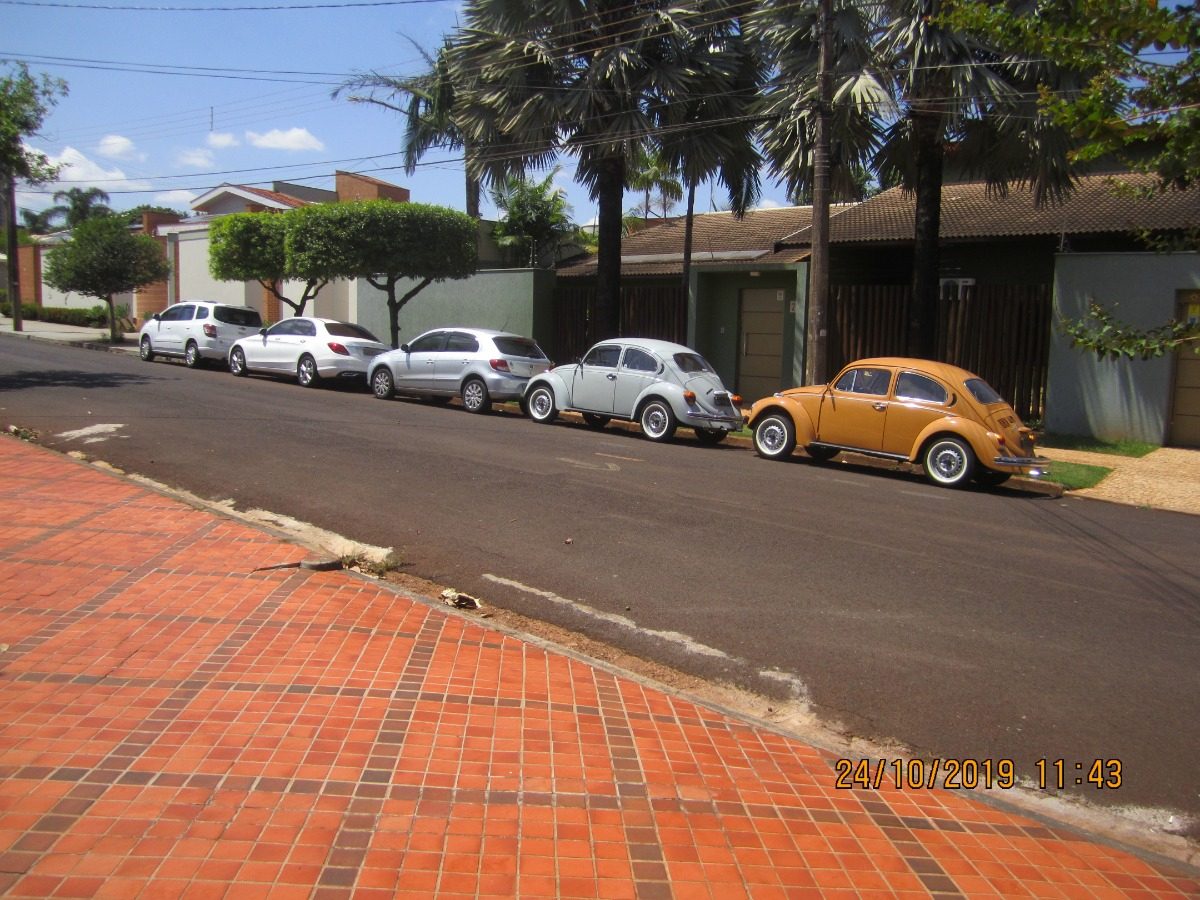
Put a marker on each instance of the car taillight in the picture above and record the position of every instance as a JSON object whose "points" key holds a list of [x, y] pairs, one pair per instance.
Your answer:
{"points": [[338, 349], [210, 330], [500, 365], [735, 400], [689, 397]]}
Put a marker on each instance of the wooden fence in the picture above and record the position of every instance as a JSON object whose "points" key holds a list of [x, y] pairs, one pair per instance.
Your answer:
{"points": [[999, 332], [655, 311]]}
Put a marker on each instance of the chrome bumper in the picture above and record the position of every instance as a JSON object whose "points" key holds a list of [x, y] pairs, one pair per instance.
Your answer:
{"points": [[1025, 462]]}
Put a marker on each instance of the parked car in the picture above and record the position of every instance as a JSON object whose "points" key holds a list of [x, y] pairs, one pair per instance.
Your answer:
{"points": [[943, 417], [196, 330], [658, 384], [309, 348], [479, 365]]}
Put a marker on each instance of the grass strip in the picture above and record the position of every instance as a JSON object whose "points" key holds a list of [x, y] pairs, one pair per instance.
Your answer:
{"points": [[1089, 444], [1075, 476]]}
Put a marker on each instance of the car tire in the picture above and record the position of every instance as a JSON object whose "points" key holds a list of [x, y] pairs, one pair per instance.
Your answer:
{"points": [[594, 420], [775, 436], [475, 397], [237, 362], [306, 372], [146, 350], [540, 405], [822, 454], [990, 477], [382, 384], [710, 436], [658, 421], [949, 462], [191, 356]]}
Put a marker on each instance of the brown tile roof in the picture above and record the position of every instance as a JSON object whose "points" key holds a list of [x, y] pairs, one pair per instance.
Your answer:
{"points": [[717, 239], [968, 212], [285, 199]]}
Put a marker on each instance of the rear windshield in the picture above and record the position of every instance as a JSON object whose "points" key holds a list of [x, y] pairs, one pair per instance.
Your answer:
{"points": [[231, 315], [519, 347], [983, 392], [692, 362], [350, 330]]}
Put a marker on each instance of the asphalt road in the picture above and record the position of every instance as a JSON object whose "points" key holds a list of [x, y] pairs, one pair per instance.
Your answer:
{"points": [[973, 624]]}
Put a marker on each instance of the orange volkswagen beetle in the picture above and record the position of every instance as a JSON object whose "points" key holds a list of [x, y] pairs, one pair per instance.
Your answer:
{"points": [[945, 418]]}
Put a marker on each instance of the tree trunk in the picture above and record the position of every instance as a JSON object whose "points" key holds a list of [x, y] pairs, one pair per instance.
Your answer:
{"points": [[12, 251], [113, 336], [817, 343], [610, 191], [687, 242], [923, 313], [472, 197]]}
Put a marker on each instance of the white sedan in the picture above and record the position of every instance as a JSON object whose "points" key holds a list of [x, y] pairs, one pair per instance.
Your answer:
{"points": [[309, 348]]}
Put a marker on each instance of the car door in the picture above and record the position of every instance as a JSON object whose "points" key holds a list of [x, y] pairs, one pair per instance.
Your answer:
{"points": [[594, 384], [172, 328], [637, 371], [413, 369], [283, 344], [917, 400], [854, 410], [452, 361]]}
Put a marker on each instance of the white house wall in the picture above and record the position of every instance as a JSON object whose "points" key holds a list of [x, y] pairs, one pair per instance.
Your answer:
{"points": [[195, 282]]}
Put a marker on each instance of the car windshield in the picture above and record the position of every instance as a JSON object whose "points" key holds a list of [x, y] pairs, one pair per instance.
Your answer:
{"points": [[231, 315], [510, 346], [692, 362], [349, 330], [982, 391]]}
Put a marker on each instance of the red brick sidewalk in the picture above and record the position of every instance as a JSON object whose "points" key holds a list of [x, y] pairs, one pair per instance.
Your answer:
{"points": [[180, 720]]}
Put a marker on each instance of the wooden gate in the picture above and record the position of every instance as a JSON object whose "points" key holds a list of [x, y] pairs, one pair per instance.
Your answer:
{"points": [[999, 332], [649, 311]]}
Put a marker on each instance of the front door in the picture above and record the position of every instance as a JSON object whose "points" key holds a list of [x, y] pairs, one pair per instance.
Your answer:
{"points": [[1185, 406], [760, 349]]}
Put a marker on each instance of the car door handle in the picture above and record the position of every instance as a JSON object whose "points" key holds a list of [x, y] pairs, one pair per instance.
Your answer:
{"points": [[611, 377], [879, 406]]}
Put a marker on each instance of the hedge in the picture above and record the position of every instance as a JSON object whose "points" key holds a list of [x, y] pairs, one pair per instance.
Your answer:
{"points": [[96, 317]]}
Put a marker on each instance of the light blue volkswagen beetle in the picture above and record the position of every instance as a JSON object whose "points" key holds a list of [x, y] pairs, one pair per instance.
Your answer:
{"points": [[658, 384]]}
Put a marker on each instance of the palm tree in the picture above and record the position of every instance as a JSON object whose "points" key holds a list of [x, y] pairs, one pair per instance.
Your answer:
{"points": [[427, 103], [579, 78], [38, 222], [535, 221], [80, 204], [649, 173]]}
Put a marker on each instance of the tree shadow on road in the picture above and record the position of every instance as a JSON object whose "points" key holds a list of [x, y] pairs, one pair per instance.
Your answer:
{"points": [[24, 380]]}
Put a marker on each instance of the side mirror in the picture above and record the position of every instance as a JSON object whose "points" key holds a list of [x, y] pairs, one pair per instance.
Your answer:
{"points": [[404, 347], [156, 317], [263, 331]]}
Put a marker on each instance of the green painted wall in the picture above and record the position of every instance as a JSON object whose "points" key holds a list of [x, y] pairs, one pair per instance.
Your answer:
{"points": [[517, 300]]}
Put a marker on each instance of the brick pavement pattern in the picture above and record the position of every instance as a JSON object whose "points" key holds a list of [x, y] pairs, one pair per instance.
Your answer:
{"points": [[182, 717]]}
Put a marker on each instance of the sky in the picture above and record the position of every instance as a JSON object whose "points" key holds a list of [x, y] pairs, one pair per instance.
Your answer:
{"points": [[171, 98]]}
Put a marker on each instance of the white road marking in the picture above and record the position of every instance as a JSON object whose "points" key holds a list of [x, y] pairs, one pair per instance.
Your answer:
{"points": [[93, 434], [603, 467], [626, 458]]}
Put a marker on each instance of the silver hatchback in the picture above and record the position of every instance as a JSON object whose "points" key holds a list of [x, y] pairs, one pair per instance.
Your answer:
{"points": [[479, 365]]}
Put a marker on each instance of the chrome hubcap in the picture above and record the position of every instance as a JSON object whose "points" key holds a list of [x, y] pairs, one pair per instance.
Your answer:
{"points": [[473, 395], [948, 462], [770, 437], [540, 404], [654, 421]]}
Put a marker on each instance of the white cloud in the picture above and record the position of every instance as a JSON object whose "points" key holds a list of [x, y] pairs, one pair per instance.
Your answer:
{"points": [[220, 141], [198, 158], [768, 204], [294, 139], [176, 199], [115, 146], [79, 171]]}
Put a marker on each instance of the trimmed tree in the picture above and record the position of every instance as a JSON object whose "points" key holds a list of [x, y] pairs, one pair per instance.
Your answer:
{"points": [[385, 242], [102, 259], [253, 247]]}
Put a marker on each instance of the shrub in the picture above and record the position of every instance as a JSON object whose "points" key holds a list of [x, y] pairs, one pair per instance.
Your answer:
{"points": [[29, 311]]}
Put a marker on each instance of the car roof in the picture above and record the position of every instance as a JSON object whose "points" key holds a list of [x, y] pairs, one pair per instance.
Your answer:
{"points": [[654, 345], [478, 332], [216, 303], [933, 367]]}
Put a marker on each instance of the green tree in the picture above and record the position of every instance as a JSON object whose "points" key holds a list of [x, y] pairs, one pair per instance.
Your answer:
{"points": [[426, 101], [25, 101], [38, 222], [579, 78], [134, 216], [1140, 106], [253, 247], [648, 174], [535, 219], [77, 205], [103, 258], [385, 243]]}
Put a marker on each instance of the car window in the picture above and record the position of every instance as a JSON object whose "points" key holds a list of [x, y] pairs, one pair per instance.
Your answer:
{"points": [[639, 361], [306, 328], [286, 327], [231, 315], [510, 346], [350, 330], [692, 362], [201, 312], [462, 343], [427, 343], [605, 356], [982, 391], [911, 386], [865, 381], [179, 313]]}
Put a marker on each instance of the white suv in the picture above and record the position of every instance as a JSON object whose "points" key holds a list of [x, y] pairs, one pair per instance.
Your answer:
{"points": [[196, 330]]}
